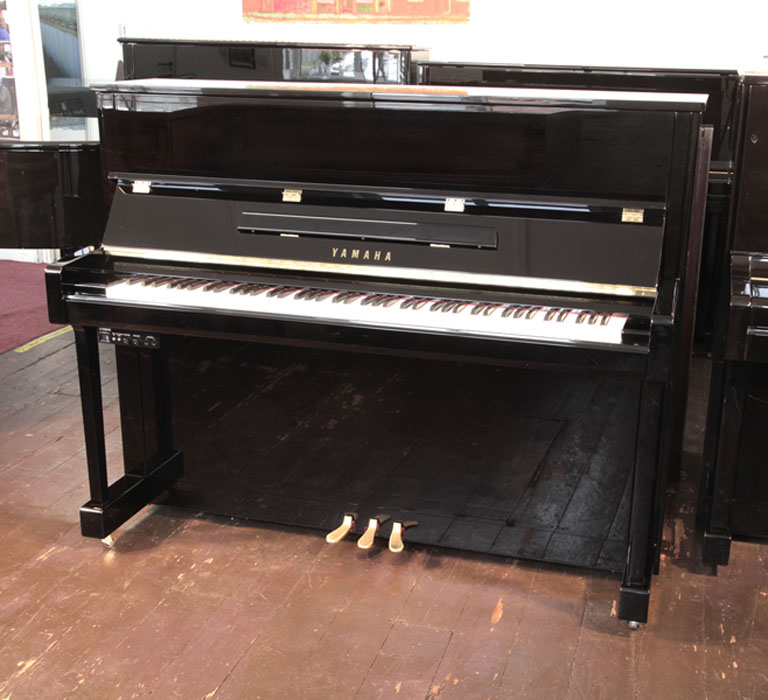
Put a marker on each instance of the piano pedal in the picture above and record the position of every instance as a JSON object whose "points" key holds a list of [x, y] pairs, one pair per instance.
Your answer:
{"points": [[347, 524], [396, 544], [366, 541]]}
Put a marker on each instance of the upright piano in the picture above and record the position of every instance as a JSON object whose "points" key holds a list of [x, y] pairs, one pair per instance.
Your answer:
{"points": [[517, 254], [733, 487], [50, 195]]}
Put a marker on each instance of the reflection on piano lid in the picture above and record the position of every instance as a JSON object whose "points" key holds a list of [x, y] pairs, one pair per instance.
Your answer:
{"points": [[261, 60]]}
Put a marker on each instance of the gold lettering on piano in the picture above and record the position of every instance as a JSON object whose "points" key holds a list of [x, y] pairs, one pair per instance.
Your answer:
{"points": [[357, 254]]}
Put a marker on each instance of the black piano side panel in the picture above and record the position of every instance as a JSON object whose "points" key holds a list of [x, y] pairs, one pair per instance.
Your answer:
{"points": [[500, 460], [749, 511], [565, 152], [751, 219]]}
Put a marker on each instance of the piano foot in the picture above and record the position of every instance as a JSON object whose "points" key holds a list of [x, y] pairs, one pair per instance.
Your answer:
{"points": [[368, 537], [108, 541], [716, 549], [347, 524], [633, 624], [396, 544]]}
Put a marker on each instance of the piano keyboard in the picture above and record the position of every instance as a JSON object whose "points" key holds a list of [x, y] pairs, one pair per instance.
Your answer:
{"points": [[434, 314]]}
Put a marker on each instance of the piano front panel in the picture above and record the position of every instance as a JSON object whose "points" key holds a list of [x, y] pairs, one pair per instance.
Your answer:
{"points": [[547, 151]]}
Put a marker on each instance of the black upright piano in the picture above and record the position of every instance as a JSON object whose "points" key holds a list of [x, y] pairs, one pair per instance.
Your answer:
{"points": [[265, 60], [446, 311], [50, 195], [733, 487]]}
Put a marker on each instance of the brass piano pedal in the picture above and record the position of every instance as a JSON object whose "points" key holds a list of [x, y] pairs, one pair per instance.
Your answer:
{"points": [[347, 524], [366, 541], [396, 536]]}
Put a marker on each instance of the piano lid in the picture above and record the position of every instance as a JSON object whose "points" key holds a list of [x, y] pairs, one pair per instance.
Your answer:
{"points": [[416, 94]]}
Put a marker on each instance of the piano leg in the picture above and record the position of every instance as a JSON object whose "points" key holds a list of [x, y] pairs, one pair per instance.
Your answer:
{"points": [[645, 509], [717, 534], [151, 463]]}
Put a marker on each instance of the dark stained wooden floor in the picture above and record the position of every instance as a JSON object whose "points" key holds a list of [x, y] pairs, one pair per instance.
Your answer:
{"points": [[187, 606]]}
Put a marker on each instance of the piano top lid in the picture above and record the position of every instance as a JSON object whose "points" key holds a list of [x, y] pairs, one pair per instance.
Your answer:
{"points": [[417, 94]]}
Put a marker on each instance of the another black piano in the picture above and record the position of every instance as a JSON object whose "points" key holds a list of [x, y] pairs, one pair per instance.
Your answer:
{"points": [[734, 489], [394, 305], [50, 195], [263, 60]]}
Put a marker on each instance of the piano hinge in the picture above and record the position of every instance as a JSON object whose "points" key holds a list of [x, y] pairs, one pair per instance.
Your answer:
{"points": [[291, 195], [141, 186], [632, 216], [454, 204]]}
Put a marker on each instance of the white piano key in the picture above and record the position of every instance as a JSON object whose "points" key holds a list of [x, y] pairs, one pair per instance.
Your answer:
{"points": [[379, 310]]}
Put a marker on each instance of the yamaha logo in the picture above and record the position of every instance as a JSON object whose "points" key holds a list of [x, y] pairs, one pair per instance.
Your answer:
{"points": [[357, 254]]}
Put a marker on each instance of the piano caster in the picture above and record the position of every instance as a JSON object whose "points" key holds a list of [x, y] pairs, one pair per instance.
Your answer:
{"points": [[396, 536], [366, 541], [633, 625], [347, 524], [108, 541]]}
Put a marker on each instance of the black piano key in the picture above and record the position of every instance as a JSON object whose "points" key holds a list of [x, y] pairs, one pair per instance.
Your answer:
{"points": [[341, 296], [605, 319], [593, 319], [258, 289], [391, 302], [140, 278], [581, 317], [479, 308], [448, 306], [305, 294], [287, 291], [520, 312], [224, 286], [562, 315], [438, 305], [353, 297], [420, 303], [195, 284], [508, 311], [489, 310], [460, 306], [550, 314], [369, 299], [324, 294], [531, 313]]}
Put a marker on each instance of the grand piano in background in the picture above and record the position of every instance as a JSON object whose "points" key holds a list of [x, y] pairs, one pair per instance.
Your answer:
{"points": [[453, 306], [734, 488]]}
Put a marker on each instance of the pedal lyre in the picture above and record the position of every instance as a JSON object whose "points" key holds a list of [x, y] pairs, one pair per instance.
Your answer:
{"points": [[396, 536], [347, 524], [366, 541]]}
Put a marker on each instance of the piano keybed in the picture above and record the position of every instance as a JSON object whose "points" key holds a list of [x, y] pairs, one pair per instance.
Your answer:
{"points": [[433, 314]]}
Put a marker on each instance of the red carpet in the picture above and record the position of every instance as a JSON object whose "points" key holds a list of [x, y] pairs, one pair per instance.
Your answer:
{"points": [[23, 312]]}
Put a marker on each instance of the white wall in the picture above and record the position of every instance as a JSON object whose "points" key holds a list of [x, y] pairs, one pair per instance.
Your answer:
{"points": [[661, 33]]}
